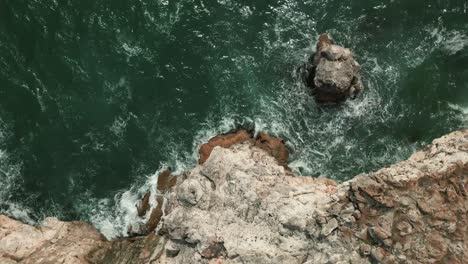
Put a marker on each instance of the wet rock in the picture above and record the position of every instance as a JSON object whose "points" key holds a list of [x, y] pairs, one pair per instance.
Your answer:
{"points": [[166, 181], [273, 146], [333, 74], [156, 215], [224, 141], [144, 205]]}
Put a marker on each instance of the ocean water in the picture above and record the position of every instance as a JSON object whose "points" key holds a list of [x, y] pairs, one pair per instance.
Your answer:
{"points": [[97, 96]]}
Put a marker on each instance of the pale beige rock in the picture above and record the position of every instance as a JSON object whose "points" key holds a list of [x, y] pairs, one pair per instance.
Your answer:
{"points": [[52, 242]]}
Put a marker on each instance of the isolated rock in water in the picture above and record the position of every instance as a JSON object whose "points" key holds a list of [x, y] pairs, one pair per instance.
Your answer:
{"points": [[333, 74]]}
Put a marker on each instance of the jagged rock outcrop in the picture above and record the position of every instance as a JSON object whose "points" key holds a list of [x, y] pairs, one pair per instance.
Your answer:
{"points": [[332, 73], [165, 183], [241, 206], [55, 241], [274, 147], [244, 208]]}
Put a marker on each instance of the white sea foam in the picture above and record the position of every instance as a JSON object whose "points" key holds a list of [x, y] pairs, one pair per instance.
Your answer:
{"points": [[462, 112], [455, 42], [114, 218], [450, 41], [10, 182]]}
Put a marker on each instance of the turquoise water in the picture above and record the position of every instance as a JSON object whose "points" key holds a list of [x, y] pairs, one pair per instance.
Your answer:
{"points": [[96, 96]]}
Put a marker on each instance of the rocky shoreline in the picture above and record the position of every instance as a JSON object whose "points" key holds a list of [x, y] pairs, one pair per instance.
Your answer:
{"points": [[241, 205]]}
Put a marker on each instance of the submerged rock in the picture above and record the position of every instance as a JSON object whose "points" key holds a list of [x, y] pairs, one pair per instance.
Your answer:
{"points": [[241, 206], [333, 74]]}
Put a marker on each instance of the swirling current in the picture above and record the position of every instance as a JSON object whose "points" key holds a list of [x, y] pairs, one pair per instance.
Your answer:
{"points": [[96, 96]]}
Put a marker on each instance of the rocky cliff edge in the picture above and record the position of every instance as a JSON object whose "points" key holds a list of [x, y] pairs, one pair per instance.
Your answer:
{"points": [[241, 206]]}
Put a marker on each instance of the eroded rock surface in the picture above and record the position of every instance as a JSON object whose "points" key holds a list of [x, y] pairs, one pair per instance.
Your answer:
{"points": [[333, 74], [415, 211]]}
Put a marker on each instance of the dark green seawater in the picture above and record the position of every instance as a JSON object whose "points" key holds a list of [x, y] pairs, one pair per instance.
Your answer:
{"points": [[97, 95]]}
